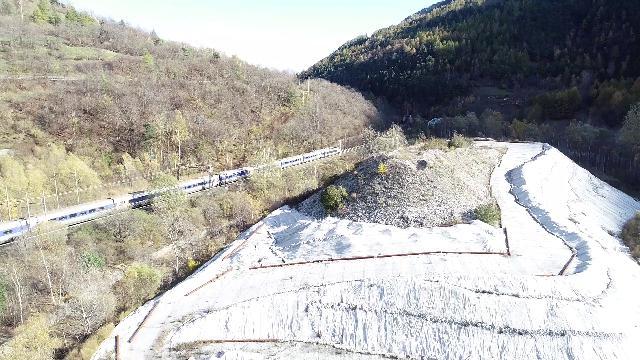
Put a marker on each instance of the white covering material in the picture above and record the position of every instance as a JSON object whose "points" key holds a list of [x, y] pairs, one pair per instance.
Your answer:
{"points": [[441, 306]]}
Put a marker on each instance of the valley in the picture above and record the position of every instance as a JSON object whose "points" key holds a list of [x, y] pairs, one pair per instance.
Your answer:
{"points": [[459, 184]]}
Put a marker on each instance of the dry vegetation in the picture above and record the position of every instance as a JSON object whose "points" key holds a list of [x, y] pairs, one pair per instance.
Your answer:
{"points": [[135, 105], [132, 106], [421, 185], [68, 286], [631, 235]]}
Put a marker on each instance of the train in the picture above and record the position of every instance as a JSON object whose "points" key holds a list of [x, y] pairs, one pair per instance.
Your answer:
{"points": [[89, 211]]}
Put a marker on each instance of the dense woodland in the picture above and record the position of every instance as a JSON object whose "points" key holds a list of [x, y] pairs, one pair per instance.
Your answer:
{"points": [[91, 107], [566, 72]]}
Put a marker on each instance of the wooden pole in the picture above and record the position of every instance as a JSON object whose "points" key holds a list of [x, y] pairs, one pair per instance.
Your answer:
{"points": [[77, 189], [117, 346], [21, 10], [44, 202], [55, 182], [6, 191], [26, 197]]}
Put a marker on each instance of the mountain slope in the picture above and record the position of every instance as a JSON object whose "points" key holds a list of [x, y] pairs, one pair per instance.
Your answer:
{"points": [[543, 63], [121, 102], [91, 108], [442, 51]]}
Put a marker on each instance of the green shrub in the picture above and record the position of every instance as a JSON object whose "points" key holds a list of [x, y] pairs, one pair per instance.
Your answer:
{"points": [[459, 141], [488, 213], [43, 13], [631, 235], [92, 260], [333, 198], [382, 168], [33, 340], [434, 143], [192, 264], [74, 16], [91, 344], [140, 282]]}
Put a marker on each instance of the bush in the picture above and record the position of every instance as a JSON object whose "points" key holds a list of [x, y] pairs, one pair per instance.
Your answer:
{"points": [[91, 344], [333, 198], [560, 105], [239, 206], [631, 235], [390, 140], [492, 124], [140, 282], [92, 260], [382, 168], [523, 130], [32, 341], [434, 143], [630, 132], [459, 141], [192, 265], [488, 213]]}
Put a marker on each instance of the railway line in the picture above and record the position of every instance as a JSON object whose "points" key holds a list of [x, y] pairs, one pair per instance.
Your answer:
{"points": [[82, 213]]}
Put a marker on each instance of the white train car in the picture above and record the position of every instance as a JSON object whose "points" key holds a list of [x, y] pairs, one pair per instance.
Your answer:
{"points": [[312, 156], [77, 214], [290, 161], [331, 152], [234, 175], [122, 200], [207, 182], [191, 186], [11, 229]]}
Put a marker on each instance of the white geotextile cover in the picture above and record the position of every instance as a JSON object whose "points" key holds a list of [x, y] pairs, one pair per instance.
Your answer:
{"points": [[441, 306]]}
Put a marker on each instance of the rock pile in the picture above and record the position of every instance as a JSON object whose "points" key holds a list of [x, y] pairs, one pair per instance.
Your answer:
{"points": [[418, 189]]}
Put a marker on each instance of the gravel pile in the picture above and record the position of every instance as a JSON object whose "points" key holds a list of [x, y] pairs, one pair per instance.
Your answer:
{"points": [[420, 188]]}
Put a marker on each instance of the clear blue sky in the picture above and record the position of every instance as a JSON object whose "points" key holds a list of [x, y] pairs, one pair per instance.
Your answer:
{"points": [[281, 34]]}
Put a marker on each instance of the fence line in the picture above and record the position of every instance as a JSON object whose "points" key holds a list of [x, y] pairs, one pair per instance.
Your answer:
{"points": [[144, 320], [366, 257], [208, 282]]}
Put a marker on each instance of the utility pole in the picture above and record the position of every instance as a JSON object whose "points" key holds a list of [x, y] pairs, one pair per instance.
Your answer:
{"points": [[26, 197], [75, 173], [55, 182], [6, 191], [179, 156], [305, 94], [44, 202], [21, 10]]}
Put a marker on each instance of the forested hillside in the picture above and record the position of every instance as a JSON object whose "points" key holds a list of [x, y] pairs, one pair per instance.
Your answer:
{"points": [[92, 107], [95, 100], [568, 71]]}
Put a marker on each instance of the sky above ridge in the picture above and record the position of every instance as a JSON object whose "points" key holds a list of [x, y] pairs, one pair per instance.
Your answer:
{"points": [[287, 35]]}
